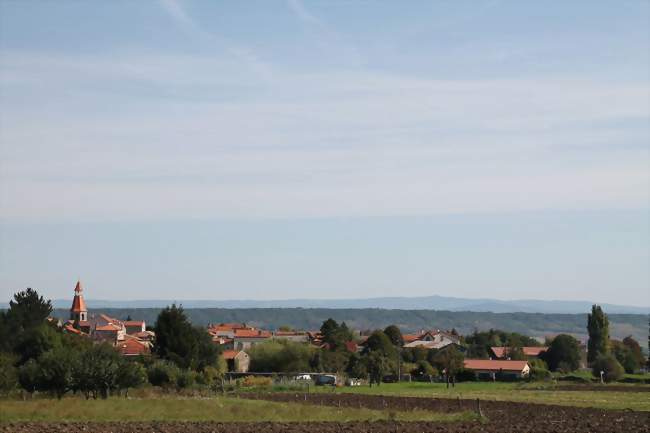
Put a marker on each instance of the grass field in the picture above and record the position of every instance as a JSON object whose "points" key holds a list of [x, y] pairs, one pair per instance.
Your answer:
{"points": [[198, 409], [529, 393]]}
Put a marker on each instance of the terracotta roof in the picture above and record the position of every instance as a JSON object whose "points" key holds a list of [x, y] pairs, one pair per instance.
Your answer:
{"points": [[495, 365], [251, 333], [410, 337], [132, 346], [232, 325], [109, 327], [134, 323], [500, 351], [230, 354]]}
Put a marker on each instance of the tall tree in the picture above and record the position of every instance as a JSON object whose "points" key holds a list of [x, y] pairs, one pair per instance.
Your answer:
{"points": [[28, 310], [598, 328], [395, 335], [175, 338], [563, 353]]}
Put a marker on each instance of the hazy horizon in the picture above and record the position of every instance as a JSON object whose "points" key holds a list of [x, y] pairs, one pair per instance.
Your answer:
{"points": [[290, 149]]}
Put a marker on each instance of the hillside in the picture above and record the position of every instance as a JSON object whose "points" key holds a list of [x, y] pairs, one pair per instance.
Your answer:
{"points": [[533, 324]]}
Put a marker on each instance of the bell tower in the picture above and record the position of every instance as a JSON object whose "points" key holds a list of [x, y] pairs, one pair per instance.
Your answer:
{"points": [[78, 311]]}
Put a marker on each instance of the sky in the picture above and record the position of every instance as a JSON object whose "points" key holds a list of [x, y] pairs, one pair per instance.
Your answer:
{"points": [[301, 149]]}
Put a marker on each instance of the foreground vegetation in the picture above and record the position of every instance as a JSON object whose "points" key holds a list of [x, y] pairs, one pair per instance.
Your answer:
{"points": [[222, 409]]}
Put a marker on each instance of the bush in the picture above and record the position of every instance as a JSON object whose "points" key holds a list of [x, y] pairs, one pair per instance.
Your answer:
{"points": [[162, 373], [8, 373], [185, 379], [539, 374], [612, 369], [257, 382], [465, 375]]}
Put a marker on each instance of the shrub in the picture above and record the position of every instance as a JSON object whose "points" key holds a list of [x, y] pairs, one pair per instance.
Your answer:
{"points": [[185, 379], [162, 373], [8, 372], [610, 366], [538, 373], [257, 382]]}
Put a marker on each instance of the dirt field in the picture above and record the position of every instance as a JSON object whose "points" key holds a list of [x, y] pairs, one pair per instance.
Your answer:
{"points": [[503, 417]]}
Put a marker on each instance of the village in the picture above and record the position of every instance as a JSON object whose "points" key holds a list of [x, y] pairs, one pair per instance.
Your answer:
{"points": [[131, 338]]}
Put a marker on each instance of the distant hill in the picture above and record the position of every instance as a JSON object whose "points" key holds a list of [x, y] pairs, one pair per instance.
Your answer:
{"points": [[434, 302], [532, 324]]}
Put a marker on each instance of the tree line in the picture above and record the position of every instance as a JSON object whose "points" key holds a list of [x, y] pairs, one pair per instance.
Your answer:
{"points": [[37, 356]]}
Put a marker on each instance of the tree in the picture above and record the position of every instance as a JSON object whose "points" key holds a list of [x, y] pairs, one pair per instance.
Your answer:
{"points": [[56, 368], [377, 366], [514, 349], [29, 376], [450, 361], [625, 354], [635, 349], [611, 368], [598, 328], [563, 353], [28, 310], [379, 342], [423, 368], [97, 370], [8, 372], [395, 335], [178, 341], [33, 342], [335, 335]]}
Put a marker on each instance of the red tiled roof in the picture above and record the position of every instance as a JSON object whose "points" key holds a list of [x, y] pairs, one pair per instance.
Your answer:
{"points": [[70, 328], [500, 351], [132, 346], [232, 325], [230, 354], [109, 327], [408, 338], [134, 323], [495, 365], [251, 333]]}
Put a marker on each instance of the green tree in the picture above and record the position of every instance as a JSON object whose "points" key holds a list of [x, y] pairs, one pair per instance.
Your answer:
{"points": [[563, 352], [28, 309], [56, 367], [33, 342], [625, 355], [8, 372], [598, 328], [380, 342], [29, 376], [178, 341], [608, 364], [450, 361], [635, 349], [395, 335], [97, 370], [377, 366]]}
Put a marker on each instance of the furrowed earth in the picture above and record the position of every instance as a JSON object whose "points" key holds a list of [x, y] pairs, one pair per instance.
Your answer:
{"points": [[501, 417]]}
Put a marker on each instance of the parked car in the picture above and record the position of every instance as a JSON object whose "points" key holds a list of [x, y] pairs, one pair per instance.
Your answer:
{"points": [[326, 379]]}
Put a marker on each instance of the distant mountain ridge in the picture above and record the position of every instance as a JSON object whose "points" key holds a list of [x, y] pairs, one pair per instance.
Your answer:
{"points": [[434, 302]]}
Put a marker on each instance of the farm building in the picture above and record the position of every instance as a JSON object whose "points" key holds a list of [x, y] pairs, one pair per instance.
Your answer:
{"points": [[238, 361], [501, 352], [498, 369]]}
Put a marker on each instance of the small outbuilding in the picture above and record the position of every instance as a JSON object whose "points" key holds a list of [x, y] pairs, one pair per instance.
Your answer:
{"points": [[238, 361], [491, 369]]}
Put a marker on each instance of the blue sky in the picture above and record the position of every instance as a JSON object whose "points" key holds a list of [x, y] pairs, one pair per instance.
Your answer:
{"points": [[194, 149]]}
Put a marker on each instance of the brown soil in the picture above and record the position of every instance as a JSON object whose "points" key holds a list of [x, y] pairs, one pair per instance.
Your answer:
{"points": [[504, 417]]}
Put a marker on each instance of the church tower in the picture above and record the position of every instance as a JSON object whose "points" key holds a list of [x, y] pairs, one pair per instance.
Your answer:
{"points": [[78, 311]]}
